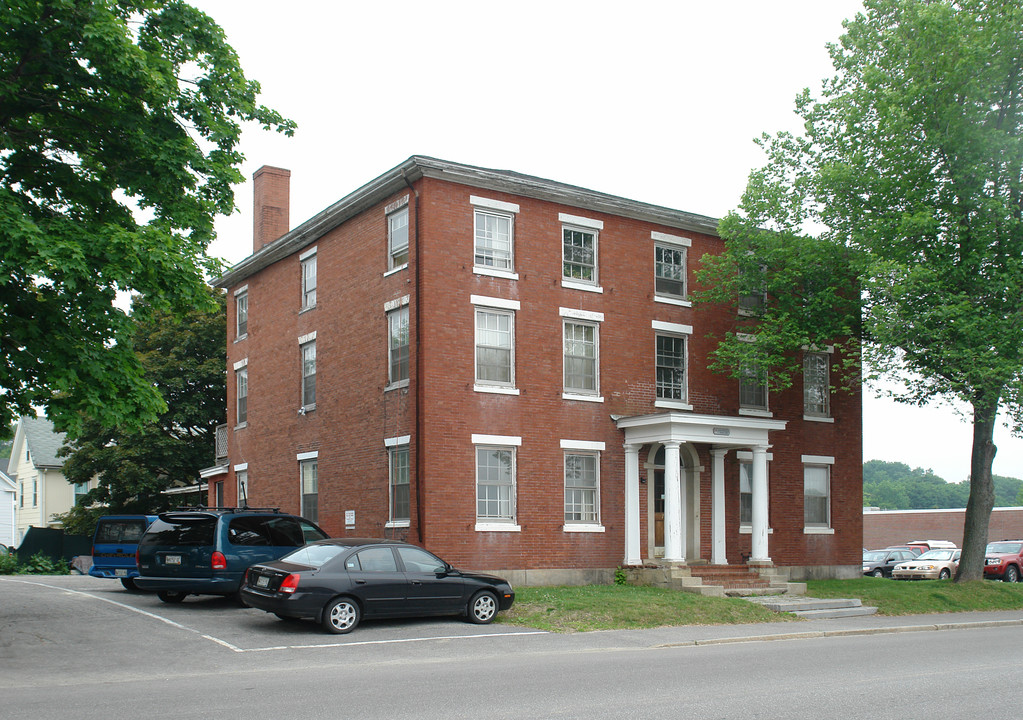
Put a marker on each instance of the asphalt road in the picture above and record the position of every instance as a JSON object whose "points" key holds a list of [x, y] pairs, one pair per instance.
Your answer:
{"points": [[81, 647]]}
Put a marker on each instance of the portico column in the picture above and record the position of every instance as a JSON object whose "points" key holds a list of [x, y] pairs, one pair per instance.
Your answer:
{"points": [[759, 520], [673, 520], [632, 551], [717, 507]]}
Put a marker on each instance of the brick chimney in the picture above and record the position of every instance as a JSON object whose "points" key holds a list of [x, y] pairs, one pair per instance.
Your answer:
{"points": [[271, 200]]}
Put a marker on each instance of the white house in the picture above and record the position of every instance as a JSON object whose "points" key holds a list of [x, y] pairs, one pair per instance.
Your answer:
{"points": [[8, 496]]}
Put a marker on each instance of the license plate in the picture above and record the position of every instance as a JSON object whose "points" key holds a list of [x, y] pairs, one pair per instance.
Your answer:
{"points": [[121, 573], [262, 581], [172, 559]]}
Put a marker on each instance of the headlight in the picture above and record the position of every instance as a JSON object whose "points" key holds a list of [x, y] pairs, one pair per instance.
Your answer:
{"points": [[866, 568], [929, 567], [992, 561]]}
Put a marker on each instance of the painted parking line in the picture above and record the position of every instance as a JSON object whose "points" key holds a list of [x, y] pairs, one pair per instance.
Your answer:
{"points": [[235, 648]]}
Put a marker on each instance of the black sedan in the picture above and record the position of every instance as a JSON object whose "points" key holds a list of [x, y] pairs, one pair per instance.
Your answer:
{"points": [[338, 582]]}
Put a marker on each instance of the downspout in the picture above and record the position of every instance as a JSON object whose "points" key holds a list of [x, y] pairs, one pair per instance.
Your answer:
{"points": [[417, 288]]}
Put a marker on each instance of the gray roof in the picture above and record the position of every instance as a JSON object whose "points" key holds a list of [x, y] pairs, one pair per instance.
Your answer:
{"points": [[419, 166], [42, 441]]}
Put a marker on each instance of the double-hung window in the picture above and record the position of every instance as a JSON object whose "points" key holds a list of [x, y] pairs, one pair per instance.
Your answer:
{"points": [[309, 484], [241, 312], [579, 257], [752, 386], [243, 487], [397, 234], [308, 262], [307, 348], [582, 485], [495, 482], [753, 291], [398, 474], [581, 353], [746, 489], [493, 236], [495, 343], [670, 268], [241, 378], [671, 387], [398, 345], [817, 493], [816, 385]]}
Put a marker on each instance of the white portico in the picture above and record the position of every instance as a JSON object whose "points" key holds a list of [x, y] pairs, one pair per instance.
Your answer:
{"points": [[680, 434]]}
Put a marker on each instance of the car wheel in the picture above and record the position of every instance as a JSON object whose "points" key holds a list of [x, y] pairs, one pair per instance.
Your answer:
{"points": [[341, 616], [944, 574], [482, 607], [170, 596], [1011, 574], [129, 584], [878, 573]]}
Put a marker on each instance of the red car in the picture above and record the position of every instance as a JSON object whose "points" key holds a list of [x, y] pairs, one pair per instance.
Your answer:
{"points": [[1003, 560]]}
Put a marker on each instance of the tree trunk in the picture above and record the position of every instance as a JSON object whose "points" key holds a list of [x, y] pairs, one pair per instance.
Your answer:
{"points": [[982, 490]]}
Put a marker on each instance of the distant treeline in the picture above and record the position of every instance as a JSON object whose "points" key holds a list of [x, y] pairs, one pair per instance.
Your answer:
{"points": [[894, 486]]}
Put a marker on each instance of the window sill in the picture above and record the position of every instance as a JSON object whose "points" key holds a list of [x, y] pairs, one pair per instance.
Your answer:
{"points": [[241, 337], [241, 425], [497, 527], [576, 285], [672, 405], [397, 524], [305, 409], [818, 531], [307, 309], [817, 418], [748, 530], [398, 269], [582, 398], [583, 528], [495, 389], [396, 385], [491, 272], [678, 302], [754, 412]]}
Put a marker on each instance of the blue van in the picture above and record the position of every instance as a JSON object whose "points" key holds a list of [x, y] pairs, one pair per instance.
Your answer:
{"points": [[114, 546]]}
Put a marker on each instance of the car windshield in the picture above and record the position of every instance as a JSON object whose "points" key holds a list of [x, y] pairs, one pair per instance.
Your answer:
{"points": [[1004, 547], [874, 556], [314, 555], [936, 555]]}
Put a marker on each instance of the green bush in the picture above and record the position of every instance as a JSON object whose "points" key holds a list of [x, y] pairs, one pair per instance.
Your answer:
{"points": [[38, 564], [8, 564]]}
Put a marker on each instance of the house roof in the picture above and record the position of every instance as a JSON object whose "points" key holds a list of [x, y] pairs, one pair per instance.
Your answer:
{"points": [[419, 166], [5, 480], [43, 442]]}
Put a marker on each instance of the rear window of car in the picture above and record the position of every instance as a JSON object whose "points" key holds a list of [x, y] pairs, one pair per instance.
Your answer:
{"points": [[192, 532], [119, 531], [314, 555]]}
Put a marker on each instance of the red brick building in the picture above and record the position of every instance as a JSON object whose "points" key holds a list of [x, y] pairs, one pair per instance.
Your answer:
{"points": [[509, 371]]}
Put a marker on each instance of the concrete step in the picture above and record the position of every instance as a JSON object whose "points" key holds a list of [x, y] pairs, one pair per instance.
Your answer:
{"points": [[815, 607]]}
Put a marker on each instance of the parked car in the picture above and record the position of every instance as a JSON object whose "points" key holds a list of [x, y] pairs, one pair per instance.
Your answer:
{"points": [[205, 551], [338, 582], [938, 564], [926, 545], [880, 563], [114, 545], [1003, 560]]}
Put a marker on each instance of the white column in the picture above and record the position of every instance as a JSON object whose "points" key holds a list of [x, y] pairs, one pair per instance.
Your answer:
{"points": [[717, 507], [759, 544], [632, 516], [674, 530]]}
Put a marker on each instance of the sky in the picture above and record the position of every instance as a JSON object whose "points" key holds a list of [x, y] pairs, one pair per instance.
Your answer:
{"points": [[655, 101]]}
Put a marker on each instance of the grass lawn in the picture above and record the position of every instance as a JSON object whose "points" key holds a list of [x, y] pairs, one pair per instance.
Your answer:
{"points": [[625, 607]]}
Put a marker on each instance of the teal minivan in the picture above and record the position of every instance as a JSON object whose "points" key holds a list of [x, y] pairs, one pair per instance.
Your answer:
{"points": [[114, 546]]}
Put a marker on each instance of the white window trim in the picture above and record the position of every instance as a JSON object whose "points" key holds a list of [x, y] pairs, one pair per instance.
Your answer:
{"points": [[308, 337], [390, 444], [672, 301], [673, 328], [578, 221], [585, 446], [506, 274], [670, 239], [244, 362], [314, 455], [820, 461], [501, 305], [399, 205], [241, 467], [396, 441], [484, 301], [243, 289], [496, 441], [496, 207], [679, 242], [668, 328], [585, 317], [307, 254], [586, 225], [672, 405], [396, 303], [489, 204], [389, 307], [514, 440]]}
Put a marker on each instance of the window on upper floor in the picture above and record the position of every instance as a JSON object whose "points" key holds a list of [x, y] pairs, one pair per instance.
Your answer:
{"points": [[816, 385], [241, 305], [579, 254], [397, 239], [495, 347], [669, 271], [398, 345], [494, 240], [398, 462], [581, 357], [308, 353], [670, 365], [582, 487], [309, 488], [308, 262], [752, 387], [753, 300], [241, 376], [80, 490]]}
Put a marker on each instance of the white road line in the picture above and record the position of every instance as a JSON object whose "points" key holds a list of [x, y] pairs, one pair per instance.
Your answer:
{"points": [[235, 648]]}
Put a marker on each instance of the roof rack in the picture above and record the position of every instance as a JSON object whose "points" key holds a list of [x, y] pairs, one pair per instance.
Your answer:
{"points": [[203, 508]]}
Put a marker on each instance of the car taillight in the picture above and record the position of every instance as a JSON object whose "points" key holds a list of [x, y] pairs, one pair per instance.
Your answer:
{"points": [[218, 561], [289, 584], [245, 580]]}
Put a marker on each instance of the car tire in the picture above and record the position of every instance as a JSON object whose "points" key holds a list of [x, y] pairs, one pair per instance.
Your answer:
{"points": [[1012, 574], [482, 608], [171, 596], [878, 573], [129, 584], [944, 574], [341, 616]]}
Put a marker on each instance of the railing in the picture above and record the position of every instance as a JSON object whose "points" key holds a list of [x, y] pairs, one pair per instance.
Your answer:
{"points": [[221, 453]]}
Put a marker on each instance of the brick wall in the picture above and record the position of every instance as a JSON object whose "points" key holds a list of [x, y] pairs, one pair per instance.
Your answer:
{"points": [[895, 527]]}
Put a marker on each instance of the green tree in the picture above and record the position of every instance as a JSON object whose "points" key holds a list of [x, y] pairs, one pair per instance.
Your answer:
{"points": [[184, 360], [119, 125], [909, 175]]}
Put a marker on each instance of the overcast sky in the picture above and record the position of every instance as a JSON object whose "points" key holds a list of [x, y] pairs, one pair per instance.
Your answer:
{"points": [[654, 101]]}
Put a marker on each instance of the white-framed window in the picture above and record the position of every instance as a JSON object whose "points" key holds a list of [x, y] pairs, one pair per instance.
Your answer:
{"points": [[752, 386], [493, 234], [308, 262], [241, 377], [752, 303], [243, 487], [397, 238], [308, 470], [35, 493], [308, 353], [398, 474], [495, 347], [745, 458], [817, 493], [582, 484], [21, 496], [241, 307], [495, 481], [398, 346], [669, 271], [670, 368], [579, 251], [581, 357], [80, 490], [816, 385]]}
